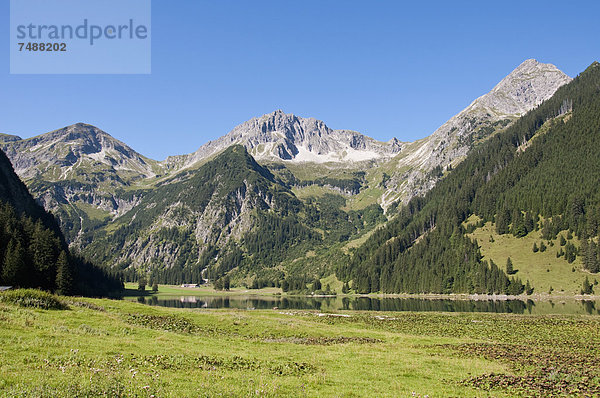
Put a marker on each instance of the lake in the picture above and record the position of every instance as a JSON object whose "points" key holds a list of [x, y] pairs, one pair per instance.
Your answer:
{"points": [[374, 304]]}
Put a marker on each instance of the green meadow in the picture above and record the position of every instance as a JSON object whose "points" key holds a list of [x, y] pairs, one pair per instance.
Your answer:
{"points": [[64, 347], [547, 273]]}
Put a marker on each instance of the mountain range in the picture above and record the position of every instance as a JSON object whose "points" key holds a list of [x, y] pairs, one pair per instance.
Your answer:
{"points": [[278, 182]]}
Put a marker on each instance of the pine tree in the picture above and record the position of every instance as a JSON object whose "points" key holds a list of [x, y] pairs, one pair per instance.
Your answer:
{"points": [[546, 230], [529, 223], [542, 247], [43, 250], [535, 248], [518, 224], [316, 285], [64, 275], [142, 283], [14, 269], [570, 252], [503, 221], [345, 288], [587, 287], [155, 287], [509, 267], [528, 288]]}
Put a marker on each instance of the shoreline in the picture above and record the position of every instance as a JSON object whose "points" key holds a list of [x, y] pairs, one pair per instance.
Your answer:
{"points": [[176, 291]]}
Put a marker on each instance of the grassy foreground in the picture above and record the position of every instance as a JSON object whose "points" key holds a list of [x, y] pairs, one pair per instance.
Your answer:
{"points": [[122, 349]]}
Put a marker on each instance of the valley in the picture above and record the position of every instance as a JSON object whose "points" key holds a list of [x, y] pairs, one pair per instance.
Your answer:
{"points": [[300, 199], [461, 266]]}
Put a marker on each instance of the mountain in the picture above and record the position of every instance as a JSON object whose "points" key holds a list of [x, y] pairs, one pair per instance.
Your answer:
{"points": [[15, 193], [60, 154], [536, 179], [229, 213], [189, 213], [78, 170], [279, 136], [522, 90], [33, 251]]}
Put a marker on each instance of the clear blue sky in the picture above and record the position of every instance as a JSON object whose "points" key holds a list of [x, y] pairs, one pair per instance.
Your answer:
{"points": [[383, 68]]}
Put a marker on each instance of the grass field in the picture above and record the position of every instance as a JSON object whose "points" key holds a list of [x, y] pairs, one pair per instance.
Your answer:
{"points": [[124, 349]]}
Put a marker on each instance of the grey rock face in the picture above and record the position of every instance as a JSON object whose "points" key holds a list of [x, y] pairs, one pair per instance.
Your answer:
{"points": [[530, 84], [9, 138], [281, 136]]}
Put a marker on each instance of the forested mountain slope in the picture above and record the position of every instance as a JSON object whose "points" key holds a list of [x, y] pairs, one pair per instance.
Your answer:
{"points": [[545, 165], [229, 214], [33, 252]]}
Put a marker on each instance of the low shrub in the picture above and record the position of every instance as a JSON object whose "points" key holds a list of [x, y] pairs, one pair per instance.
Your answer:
{"points": [[33, 298]]}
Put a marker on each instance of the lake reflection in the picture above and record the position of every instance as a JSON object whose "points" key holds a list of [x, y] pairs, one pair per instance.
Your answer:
{"points": [[375, 304]]}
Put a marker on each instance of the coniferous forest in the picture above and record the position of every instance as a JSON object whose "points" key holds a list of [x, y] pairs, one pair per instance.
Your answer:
{"points": [[541, 172]]}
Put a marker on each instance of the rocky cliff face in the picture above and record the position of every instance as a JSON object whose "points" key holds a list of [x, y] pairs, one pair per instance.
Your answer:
{"points": [[279, 136]]}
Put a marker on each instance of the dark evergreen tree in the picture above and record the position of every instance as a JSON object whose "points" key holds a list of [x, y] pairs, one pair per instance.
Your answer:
{"points": [[509, 266], [345, 288], [570, 252], [562, 240], [528, 288], [14, 270], [64, 275], [503, 220], [316, 284], [587, 287], [142, 283]]}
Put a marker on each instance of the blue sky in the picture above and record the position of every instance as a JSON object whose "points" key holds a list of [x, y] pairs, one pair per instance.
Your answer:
{"points": [[383, 68]]}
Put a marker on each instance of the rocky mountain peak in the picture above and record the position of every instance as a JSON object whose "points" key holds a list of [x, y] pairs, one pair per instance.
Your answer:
{"points": [[71, 145], [9, 138], [285, 136], [524, 88]]}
